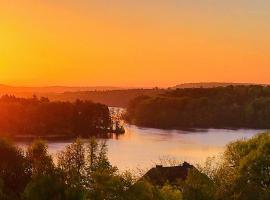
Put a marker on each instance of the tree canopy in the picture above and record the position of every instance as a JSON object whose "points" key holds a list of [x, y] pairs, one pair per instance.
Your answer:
{"points": [[221, 107], [40, 117]]}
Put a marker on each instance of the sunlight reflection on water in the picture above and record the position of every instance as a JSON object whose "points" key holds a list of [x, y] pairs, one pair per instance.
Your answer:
{"points": [[142, 147]]}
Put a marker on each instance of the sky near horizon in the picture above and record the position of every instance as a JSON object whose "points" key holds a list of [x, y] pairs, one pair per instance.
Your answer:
{"points": [[134, 43]]}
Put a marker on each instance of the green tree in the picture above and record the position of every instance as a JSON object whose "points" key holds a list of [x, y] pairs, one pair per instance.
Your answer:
{"points": [[2, 194], [72, 163], [142, 190], [168, 192], [92, 149], [103, 181], [45, 188], [107, 185], [40, 161], [96, 154], [14, 171], [244, 172], [103, 162], [198, 186]]}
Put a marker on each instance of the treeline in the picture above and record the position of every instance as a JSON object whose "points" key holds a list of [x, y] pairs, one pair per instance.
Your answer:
{"points": [[40, 117], [83, 172], [221, 107]]}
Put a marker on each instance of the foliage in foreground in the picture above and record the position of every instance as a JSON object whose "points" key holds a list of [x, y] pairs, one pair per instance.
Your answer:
{"points": [[242, 173], [83, 171]]}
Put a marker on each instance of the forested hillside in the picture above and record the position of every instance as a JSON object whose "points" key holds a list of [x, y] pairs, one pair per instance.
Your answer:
{"points": [[40, 117], [221, 107], [114, 98]]}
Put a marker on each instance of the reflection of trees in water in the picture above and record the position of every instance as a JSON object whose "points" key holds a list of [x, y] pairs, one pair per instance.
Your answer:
{"points": [[117, 120]]}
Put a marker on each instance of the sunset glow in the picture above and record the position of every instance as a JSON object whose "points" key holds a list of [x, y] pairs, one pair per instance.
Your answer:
{"points": [[134, 43]]}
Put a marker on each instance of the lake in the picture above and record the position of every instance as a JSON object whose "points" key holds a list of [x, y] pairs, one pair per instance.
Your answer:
{"points": [[144, 147]]}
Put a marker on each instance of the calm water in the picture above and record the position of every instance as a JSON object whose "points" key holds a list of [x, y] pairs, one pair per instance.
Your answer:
{"points": [[143, 147]]}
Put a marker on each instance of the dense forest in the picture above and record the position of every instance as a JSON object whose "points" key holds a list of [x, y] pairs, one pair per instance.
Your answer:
{"points": [[83, 172], [220, 107], [40, 117]]}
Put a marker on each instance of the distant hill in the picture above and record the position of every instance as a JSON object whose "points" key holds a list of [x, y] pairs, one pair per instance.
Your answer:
{"points": [[208, 85], [111, 96], [6, 89], [114, 98]]}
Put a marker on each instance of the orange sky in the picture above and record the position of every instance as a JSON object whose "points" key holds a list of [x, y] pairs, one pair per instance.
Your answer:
{"points": [[133, 43]]}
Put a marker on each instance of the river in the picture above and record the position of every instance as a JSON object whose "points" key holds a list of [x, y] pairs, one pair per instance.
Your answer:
{"points": [[143, 147]]}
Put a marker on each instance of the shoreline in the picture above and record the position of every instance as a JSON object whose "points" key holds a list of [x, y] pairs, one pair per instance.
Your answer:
{"points": [[58, 138]]}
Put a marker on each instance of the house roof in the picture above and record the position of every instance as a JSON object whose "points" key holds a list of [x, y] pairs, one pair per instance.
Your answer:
{"points": [[160, 175]]}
